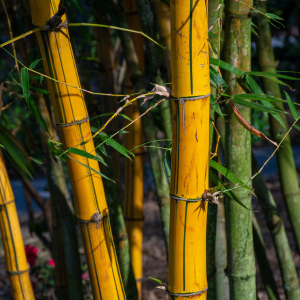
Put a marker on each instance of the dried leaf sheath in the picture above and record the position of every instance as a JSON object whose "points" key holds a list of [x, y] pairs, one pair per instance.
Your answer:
{"points": [[73, 126], [190, 151], [15, 258], [247, 125]]}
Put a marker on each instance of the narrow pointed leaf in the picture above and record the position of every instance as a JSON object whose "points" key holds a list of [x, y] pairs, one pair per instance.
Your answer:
{"points": [[224, 65], [215, 179], [228, 174], [88, 167], [86, 155], [33, 65], [291, 106], [25, 84]]}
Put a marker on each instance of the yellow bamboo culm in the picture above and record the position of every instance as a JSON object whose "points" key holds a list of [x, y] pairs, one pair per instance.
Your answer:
{"points": [[73, 126], [15, 258], [190, 152], [134, 172]]}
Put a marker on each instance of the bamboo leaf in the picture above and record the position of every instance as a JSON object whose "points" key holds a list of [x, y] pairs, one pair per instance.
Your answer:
{"points": [[269, 74], [37, 113], [156, 280], [272, 16], [37, 89], [256, 106], [110, 114], [25, 84], [41, 80], [224, 65], [297, 127], [216, 107], [88, 167], [86, 155], [33, 65], [228, 174], [15, 151], [166, 159], [291, 106], [214, 178]]}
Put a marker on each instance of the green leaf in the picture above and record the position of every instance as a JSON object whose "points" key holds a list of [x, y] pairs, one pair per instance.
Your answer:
{"points": [[37, 113], [25, 84], [33, 65], [166, 158], [256, 106], [43, 91], [86, 155], [156, 280], [228, 174], [15, 151], [272, 16], [110, 141], [269, 74], [214, 178], [110, 114], [88, 167], [41, 80], [291, 106], [216, 107], [297, 127], [224, 65]]}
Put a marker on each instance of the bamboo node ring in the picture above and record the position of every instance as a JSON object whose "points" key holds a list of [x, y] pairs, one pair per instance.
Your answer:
{"points": [[4, 203], [191, 98], [184, 199], [73, 123], [12, 273], [185, 294], [96, 218]]}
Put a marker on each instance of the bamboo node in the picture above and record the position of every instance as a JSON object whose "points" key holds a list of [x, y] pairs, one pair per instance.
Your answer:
{"points": [[56, 22], [12, 273], [96, 218]]}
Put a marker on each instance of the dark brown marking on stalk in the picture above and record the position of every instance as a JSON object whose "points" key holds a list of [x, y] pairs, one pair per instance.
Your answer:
{"points": [[196, 136], [192, 163], [190, 15]]}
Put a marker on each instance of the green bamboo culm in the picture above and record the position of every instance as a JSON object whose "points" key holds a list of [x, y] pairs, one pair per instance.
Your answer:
{"points": [[240, 253], [279, 237], [61, 207], [263, 262], [149, 129], [285, 159], [157, 65]]}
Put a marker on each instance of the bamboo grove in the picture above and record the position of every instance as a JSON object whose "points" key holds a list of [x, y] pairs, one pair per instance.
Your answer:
{"points": [[175, 101]]}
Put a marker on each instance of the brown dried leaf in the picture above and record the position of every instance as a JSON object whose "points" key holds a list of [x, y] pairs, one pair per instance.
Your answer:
{"points": [[162, 91], [248, 126]]}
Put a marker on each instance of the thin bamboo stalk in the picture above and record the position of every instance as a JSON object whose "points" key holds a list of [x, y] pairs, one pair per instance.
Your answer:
{"points": [[285, 159], [263, 262], [240, 254], [190, 153], [134, 173], [156, 63], [163, 19], [113, 195], [222, 283], [15, 258], [279, 237], [73, 126], [212, 209], [155, 155], [62, 208]]}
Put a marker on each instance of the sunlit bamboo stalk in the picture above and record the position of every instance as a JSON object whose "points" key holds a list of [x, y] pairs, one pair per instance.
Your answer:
{"points": [[190, 151], [73, 126], [134, 173], [240, 254], [15, 258]]}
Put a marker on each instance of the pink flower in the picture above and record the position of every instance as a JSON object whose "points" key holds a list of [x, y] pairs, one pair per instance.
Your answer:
{"points": [[51, 262], [31, 254], [85, 275]]}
